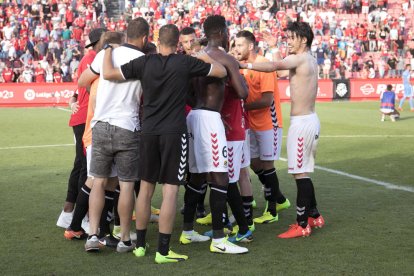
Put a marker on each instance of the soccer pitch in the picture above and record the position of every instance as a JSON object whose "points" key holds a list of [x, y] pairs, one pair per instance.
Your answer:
{"points": [[364, 185]]}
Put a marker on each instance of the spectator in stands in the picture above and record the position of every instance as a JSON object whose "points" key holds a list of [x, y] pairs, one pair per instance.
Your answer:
{"points": [[39, 74], [74, 64], [49, 74], [41, 48], [400, 66], [381, 68], [57, 75], [8, 75], [26, 58], [392, 64], [27, 75]]}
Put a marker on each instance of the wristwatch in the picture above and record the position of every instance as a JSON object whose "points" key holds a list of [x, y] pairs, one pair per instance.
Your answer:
{"points": [[106, 46]]}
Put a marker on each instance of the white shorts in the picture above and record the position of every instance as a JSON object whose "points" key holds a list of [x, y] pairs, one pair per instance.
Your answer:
{"points": [[88, 163], [302, 140], [234, 157], [207, 143], [245, 162], [387, 110], [266, 144]]}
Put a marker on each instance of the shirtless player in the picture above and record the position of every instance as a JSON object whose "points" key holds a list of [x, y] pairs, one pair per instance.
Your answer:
{"points": [[304, 126], [208, 144]]}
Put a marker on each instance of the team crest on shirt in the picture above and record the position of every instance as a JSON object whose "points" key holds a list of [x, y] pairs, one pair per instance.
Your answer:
{"points": [[225, 164]]}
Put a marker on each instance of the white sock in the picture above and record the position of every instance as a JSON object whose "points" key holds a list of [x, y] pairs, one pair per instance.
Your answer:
{"points": [[218, 240]]}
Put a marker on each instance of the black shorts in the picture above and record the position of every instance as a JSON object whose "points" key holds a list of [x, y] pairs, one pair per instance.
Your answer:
{"points": [[164, 158]]}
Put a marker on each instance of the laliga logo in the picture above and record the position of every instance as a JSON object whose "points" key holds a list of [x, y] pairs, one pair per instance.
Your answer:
{"points": [[367, 89], [341, 89], [29, 94]]}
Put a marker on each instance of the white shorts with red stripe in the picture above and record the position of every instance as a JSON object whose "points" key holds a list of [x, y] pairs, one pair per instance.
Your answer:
{"points": [[245, 162], [266, 144], [302, 141], [234, 157], [207, 143]]}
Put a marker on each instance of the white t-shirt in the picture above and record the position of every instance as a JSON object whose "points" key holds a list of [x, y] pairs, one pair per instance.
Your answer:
{"points": [[117, 103]]}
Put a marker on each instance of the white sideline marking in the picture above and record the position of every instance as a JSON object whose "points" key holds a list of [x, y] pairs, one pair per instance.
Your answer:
{"points": [[365, 179], [64, 109], [38, 146], [366, 136]]}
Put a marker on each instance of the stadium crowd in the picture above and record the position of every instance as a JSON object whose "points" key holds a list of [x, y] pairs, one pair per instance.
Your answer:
{"points": [[43, 41]]}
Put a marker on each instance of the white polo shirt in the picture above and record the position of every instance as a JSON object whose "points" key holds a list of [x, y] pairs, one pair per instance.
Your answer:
{"points": [[117, 103]]}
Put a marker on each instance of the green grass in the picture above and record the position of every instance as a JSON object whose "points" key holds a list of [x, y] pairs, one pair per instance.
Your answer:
{"points": [[369, 227]]}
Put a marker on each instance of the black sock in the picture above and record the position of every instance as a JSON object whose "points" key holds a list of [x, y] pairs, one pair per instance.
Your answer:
{"points": [[248, 208], [303, 200], [105, 216], [259, 174], [270, 188], [164, 243], [236, 204], [191, 197], [200, 203], [141, 238], [272, 181], [117, 220], [82, 206], [137, 186], [127, 243], [218, 202], [313, 211]]}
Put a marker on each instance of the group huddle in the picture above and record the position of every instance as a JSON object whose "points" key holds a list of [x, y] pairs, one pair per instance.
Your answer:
{"points": [[198, 118]]}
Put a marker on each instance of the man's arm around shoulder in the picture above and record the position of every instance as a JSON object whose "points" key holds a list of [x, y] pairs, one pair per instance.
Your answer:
{"points": [[217, 70]]}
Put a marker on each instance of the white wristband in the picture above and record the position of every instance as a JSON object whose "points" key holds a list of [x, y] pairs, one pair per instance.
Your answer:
{"points": [[249, 66]]}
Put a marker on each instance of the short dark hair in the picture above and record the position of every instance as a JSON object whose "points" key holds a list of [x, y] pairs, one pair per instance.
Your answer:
{"points": [[137, 28], [214, 24], [169, 35], [111, 37], [247, 35], [301, 30], [187, 31], [389, 87]]}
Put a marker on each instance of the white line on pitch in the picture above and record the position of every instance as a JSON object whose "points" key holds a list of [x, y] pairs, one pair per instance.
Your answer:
{"points": [[369, 180], [64, 109], [365, 136], [38, 146]]}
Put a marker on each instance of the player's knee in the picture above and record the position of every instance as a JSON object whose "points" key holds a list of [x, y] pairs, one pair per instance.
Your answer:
{"points": [[300, 175]]}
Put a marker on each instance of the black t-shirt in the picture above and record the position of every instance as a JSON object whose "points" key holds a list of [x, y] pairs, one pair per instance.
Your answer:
{"points": [[392, 62], [165, 83], [400, 43]]}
